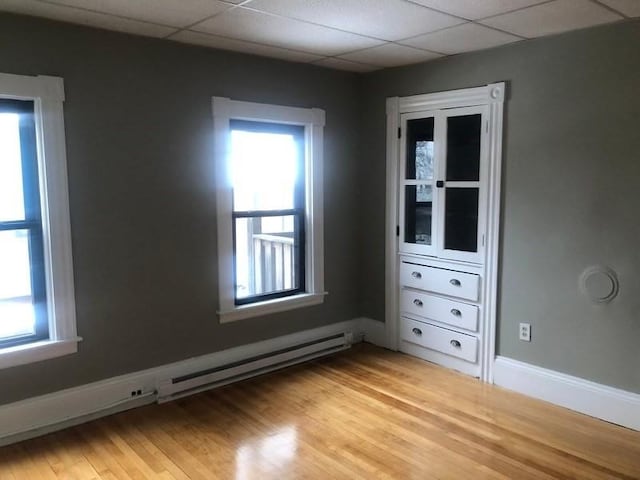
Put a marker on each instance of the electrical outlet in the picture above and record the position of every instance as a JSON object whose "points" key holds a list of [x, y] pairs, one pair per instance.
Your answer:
{"points": [[525, 332], [136, 391]]}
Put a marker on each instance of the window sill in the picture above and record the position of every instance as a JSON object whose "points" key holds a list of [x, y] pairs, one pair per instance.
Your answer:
{"points": [[271, 306], [37, 351]]}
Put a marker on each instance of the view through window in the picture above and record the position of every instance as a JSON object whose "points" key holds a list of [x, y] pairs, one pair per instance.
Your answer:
{"points": [[22, 290], [267, 171]]}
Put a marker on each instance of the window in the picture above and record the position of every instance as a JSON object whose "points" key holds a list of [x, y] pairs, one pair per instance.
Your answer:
{"points": [[22, 291], [269, 200], [267, 177], [37, 314]]}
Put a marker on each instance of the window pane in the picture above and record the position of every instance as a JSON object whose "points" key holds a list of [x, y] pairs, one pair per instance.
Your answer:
{"points": [[264, 169], [267, 258], [420, 149], [418, 214], [463, 147], [461, 219], [11, 194], [17, 313]]}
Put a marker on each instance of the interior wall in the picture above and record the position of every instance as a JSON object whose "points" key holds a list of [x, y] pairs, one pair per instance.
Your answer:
{"points": [[143, 213], [570, 192]]}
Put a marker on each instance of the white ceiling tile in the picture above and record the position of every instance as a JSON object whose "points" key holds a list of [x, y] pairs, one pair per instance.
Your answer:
{"points": [[475, 9], [554, 17], [630, 8], [205, 40], [164, 12], [390, 55], [84, 17], [461, 38], [244, 24], [340, 64], [384, 19]]}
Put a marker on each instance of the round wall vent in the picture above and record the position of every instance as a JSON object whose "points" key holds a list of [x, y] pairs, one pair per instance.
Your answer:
{"points": [[599, 284]]}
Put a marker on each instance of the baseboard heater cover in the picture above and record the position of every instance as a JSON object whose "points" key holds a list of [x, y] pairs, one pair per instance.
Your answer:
{"points": [[184, 385]]}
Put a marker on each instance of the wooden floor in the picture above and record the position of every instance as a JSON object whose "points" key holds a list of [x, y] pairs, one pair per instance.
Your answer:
{"points": [[367, 413]]}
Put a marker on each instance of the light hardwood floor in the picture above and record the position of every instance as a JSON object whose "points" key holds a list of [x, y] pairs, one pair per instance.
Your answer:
{"points": [[363, 414]]}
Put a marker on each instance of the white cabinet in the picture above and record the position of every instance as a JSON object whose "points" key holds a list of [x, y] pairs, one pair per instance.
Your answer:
{"points": [[443, 166], [442, 190]]}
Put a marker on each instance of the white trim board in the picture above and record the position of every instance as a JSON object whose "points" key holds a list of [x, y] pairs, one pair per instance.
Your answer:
{"points": [[376, 332], [47, 413], [600, 401]]}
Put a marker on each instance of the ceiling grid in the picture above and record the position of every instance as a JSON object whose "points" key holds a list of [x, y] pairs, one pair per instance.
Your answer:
{"points": [[355, 35]]}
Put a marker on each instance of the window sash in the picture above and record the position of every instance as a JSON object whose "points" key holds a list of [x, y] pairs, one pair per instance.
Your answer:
{"points": [[32, 221], [298, 212], [298, 260]]}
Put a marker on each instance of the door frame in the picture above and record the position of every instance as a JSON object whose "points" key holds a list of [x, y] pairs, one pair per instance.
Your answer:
{"points": [[491, 95]]}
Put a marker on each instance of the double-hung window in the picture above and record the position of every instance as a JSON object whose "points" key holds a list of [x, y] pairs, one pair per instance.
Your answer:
{"points": [[269, 202], [37, 304], [23, 312]]}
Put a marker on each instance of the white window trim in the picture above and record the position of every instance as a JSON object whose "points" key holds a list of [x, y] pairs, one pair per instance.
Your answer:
{"points": [[48, 96], [313, 120]]}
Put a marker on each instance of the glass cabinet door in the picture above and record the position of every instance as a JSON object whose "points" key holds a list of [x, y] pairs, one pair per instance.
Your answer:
{"points": [[417, 177], [441, 175], [461, 174]]}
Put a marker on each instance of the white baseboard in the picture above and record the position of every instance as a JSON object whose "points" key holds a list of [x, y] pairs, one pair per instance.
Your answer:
{"points": [[374, 332], [600, 401], [47, 413]]}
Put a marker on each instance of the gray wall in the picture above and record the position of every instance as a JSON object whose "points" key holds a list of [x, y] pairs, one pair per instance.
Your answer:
{"points": [[138, 125], [570, 192]]}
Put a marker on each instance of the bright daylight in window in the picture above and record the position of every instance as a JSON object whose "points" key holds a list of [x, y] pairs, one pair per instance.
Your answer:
{"points": [[269, 200], [267, 165], [37, 302], [22, 302]]}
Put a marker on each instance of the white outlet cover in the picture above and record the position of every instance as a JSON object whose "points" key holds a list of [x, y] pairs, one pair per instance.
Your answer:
{"points": [[525, 332]]}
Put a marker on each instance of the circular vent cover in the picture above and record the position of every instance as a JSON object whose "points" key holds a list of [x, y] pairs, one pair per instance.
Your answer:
{"points": [[599, 284]]}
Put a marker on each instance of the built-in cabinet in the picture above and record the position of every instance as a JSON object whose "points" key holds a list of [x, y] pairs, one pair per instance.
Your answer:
{"points": [[443, 205]]}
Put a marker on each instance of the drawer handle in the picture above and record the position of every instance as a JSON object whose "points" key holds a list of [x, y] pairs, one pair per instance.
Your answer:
{"points": [[455, 312], [455, 343], [416, 274], [455, 282], [417, 303], [417, 331]]}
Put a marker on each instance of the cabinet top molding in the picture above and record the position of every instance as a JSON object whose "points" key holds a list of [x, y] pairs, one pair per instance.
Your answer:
{"points": [[485, 95]]}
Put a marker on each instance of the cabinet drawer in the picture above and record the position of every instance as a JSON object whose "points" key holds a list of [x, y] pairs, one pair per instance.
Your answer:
{"points": [[439, 339], [440, 280], [440, 309]]}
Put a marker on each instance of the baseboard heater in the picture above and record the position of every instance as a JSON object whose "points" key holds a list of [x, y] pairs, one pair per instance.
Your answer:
{"points": [[189, 384]]}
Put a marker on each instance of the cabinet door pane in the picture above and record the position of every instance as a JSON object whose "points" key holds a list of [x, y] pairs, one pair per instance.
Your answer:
{"points": [[461, 219], [463, 147], [418, 214], [419, 159]]}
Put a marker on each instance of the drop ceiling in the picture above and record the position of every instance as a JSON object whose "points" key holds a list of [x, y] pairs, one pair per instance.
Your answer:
{"points": [[355, 35]]}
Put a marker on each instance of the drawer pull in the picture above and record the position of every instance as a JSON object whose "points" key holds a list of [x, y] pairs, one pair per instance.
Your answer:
{"points": [[455, 343], [416, 274], [417, 303], [455, 282], [455, 312], [417, 331]]}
